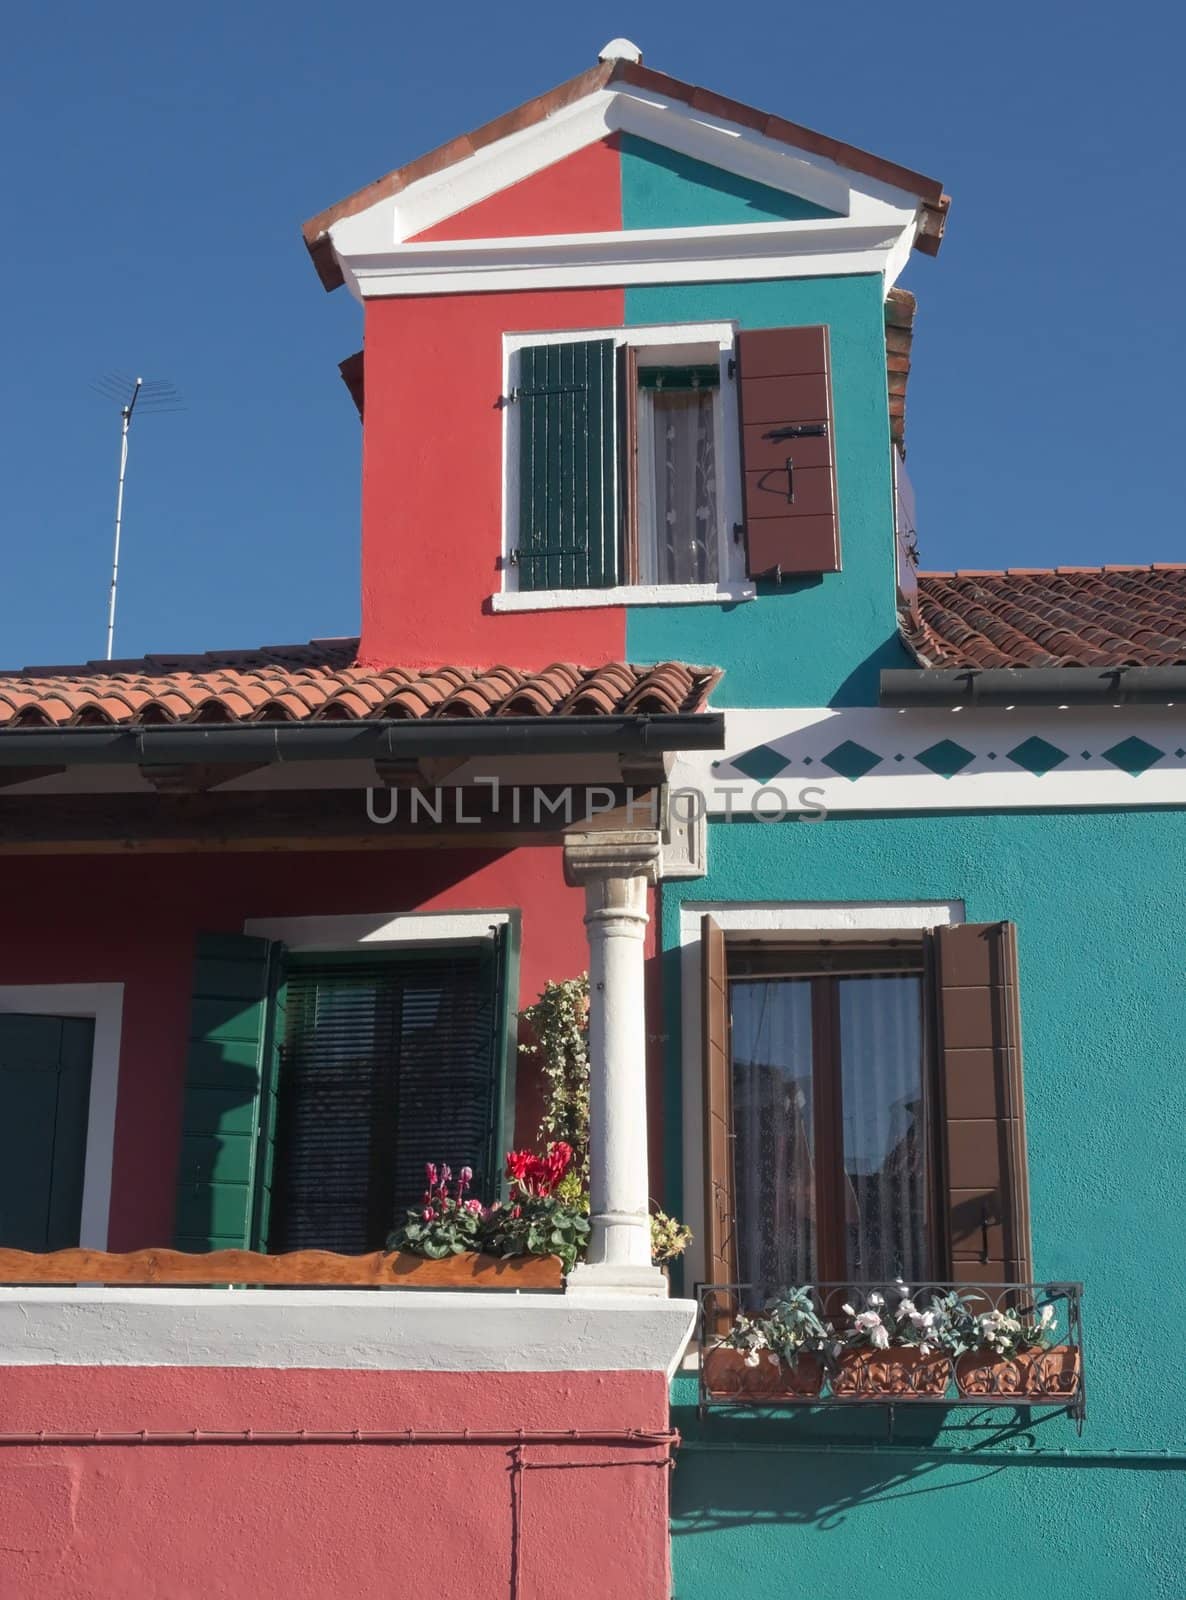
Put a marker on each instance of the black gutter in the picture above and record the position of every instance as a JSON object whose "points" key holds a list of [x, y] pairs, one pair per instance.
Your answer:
{"points": [[264, 743], [902, 688]]}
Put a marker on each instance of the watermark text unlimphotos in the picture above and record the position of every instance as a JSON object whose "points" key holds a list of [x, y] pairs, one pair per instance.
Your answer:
{"points": [[535, 805]]}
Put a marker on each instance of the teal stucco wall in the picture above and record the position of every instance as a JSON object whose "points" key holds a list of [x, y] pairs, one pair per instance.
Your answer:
{"points": [[809, 641], [822, 1505]]}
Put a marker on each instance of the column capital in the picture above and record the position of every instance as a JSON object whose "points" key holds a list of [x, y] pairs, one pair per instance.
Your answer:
{"points": [[591, 856]]}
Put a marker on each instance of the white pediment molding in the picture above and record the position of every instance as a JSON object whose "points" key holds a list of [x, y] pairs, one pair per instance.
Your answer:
{"points": [[372, 245]]}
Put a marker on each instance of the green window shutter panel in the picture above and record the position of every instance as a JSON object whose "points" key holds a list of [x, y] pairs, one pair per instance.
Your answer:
{"points": [[45, 1082], [568, 500], [505, 1043], [222, 1186]]}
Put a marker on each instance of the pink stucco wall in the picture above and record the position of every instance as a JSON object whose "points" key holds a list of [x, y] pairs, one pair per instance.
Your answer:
{"points": [[103, 919], [315, 1522]]}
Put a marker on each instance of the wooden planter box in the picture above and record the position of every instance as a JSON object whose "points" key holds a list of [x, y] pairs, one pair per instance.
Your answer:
{"points": [[1039, 1374], [298, 1269], [894, 1374], [727, 1377]]}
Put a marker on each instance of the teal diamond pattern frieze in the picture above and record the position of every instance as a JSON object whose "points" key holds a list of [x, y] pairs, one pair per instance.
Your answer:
{"points": [[944, 759], [1133, 756], [1038, 756], [761, 763], [851, 760]]}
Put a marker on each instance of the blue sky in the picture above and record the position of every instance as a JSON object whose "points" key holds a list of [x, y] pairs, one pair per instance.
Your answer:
{"points": [[161, 158]]}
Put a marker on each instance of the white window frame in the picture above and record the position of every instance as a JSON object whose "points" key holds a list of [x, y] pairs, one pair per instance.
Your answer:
{"points": [[732, 585], [103, 1003]]}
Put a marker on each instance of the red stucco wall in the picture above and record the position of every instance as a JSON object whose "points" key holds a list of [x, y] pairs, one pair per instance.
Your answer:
{"points": [[308, 1522], [103, 919], [432, 495]]}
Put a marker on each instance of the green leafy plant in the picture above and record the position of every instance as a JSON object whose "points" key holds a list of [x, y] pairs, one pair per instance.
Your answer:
{"points": [[788, 1328], [1011, 1333], [538, 1219], [558, 1024], [447, 1224], [669, 1238]]}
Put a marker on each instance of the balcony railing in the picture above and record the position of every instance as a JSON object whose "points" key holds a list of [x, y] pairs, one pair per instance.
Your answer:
{"points": [[848, 1373]]}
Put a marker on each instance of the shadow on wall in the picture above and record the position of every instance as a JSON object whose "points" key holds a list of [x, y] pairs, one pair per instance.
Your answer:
{"points": [[812, 1470]]}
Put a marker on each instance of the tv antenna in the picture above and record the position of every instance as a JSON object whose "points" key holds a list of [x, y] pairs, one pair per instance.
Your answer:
{"points": [[131, 395]]}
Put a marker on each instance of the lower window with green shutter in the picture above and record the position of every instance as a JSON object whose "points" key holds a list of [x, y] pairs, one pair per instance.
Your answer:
{"points": [[363, 1066], [385, 1063]]}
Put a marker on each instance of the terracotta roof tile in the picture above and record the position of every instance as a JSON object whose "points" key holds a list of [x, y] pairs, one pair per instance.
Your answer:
{"points": [[1050, 617], [322, 682]]}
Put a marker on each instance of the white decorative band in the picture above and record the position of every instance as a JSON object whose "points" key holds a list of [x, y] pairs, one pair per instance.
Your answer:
{"points": [[815, 761]]}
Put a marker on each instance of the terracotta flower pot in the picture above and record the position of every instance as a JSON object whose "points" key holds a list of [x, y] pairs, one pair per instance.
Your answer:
{"points": [[805, 1378], [1039, 1374], [897, 1374], [728, 1377]]}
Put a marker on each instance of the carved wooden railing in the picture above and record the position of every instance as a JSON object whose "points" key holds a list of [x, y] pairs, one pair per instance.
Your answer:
{"points": [[303, 1269]]}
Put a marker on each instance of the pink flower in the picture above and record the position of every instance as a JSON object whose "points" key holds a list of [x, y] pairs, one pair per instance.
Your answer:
{"points": [[430, 1173], [428, 1214], [474, 1206]]}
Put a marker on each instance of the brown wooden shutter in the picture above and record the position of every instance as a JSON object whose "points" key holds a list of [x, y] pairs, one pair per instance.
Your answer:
{"points": [[788, 451], [986, 1189], [719, 1245]]}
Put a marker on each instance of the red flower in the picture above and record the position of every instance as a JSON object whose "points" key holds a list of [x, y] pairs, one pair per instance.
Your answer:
{"points": [[539, 1175]]}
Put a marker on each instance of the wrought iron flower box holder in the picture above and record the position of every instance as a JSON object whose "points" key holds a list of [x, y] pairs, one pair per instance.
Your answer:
{"points": [[1053, 1381]]}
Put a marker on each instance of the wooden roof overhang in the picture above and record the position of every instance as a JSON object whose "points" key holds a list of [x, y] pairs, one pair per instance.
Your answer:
{"points": [[374, 785]]}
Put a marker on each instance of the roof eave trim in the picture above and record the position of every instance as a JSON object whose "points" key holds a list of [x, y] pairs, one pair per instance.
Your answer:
{"points": [[904, 688], [267, 743]]}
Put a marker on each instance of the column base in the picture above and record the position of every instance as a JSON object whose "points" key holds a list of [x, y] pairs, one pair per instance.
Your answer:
{"points": [[611, 1277]]}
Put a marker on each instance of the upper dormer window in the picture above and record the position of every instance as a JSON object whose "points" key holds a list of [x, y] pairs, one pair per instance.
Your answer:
{"points": [[643, 464]]}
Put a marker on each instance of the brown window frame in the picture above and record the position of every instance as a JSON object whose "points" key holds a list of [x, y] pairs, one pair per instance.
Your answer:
{"points": [[978, 1185], [822, 962]]}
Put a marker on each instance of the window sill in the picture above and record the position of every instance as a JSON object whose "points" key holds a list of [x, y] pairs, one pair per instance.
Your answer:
{"points": [[640, 594]]}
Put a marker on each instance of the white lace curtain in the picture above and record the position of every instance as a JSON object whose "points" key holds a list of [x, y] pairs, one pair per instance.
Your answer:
{"points": [[677, 477], [775, 1147]]}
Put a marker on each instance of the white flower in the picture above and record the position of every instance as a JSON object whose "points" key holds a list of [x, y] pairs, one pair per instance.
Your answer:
{"points": [[924, 1349], [879, 1338], [848, 1310], [867, 1320], [923, 1319], [876, 1299], [906, 1309], [752, 1357], [1046, 1320]]}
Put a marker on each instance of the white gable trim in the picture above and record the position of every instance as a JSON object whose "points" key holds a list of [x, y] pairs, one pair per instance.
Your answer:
{"points": [[644, 255], [365, 241]]}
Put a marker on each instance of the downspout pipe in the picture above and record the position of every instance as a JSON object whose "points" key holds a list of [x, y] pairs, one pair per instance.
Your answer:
{"points": [[905, 688], [266, 743]]}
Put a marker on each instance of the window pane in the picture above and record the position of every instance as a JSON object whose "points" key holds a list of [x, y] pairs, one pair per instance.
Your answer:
{"points": [[774, 1143], [677, 483], [885, 1165], [384, 1065]]}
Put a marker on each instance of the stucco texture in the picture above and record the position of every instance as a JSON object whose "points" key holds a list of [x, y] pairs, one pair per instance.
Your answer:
{"points": [[332, 1521], [1098, 900]]}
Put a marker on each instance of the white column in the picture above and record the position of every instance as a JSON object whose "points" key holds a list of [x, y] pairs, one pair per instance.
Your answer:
{"points": [[616, 870]]}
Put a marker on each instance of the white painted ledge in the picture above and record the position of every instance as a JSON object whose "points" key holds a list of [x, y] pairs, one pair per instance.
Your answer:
{"points": [[387, 1330], [635, 594]]}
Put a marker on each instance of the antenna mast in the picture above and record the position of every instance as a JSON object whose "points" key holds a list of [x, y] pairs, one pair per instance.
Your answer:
{"points": [[156, 397]]}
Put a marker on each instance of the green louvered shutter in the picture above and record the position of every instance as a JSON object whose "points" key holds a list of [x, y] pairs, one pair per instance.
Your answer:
{"points": [[225, 1178], [568, 499], [505, 1044]]}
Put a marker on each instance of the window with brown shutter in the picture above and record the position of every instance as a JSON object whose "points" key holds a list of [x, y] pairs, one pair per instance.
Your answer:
{"points": [[788, 451], [863, 1108]]}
